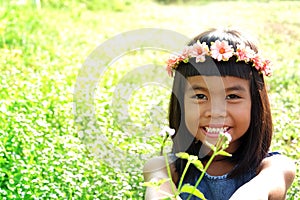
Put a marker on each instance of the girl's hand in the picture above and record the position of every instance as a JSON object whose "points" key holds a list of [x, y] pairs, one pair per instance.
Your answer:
{"points": [[251, 191], [155, 170], [275, 176]]}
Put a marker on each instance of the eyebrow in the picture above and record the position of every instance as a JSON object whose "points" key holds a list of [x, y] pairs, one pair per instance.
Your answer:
{"points": [[197, 87], [229, 89], [235, 88]]}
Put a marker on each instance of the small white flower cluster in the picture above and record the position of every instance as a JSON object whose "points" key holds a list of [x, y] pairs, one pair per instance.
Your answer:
{"points": [[167, 131]]}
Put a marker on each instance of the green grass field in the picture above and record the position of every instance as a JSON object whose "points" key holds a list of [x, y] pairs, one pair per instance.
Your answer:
{"points": [[44, 152]]}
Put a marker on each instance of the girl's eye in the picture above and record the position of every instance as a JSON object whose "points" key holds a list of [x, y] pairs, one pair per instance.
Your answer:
{"points": [[233, 96], [200, 97]]}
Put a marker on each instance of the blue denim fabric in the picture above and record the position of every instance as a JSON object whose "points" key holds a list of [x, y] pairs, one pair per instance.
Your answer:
{"points": [[221, 187]]}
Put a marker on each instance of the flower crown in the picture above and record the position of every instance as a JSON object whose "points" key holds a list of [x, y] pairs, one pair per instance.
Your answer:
{"points": [[220, 51]]}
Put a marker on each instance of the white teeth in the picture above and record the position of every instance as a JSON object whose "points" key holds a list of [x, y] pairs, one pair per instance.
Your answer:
{"points": [[216, 130]]}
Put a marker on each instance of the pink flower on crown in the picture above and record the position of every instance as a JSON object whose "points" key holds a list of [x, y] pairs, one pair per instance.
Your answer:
{"points": [[169, 70], [262, 65], [244, 53], [221, 50], [170, 64], [266, 70], [173, 62], [257, 62], [186, 51], [199, 51]]}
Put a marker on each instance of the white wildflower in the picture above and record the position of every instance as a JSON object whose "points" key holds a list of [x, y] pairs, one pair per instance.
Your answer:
{"points": [[166, 130]]}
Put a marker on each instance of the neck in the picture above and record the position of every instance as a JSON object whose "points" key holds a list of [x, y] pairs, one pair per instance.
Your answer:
{"points": [[220, 166], [216, 159]]}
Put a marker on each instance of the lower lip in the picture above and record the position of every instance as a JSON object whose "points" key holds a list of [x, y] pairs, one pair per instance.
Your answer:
{"points": [[212, 135]]}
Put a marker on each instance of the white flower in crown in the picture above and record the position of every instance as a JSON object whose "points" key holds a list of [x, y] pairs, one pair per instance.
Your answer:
{"points": [[221, 50], [244, 53], [199, 51]]}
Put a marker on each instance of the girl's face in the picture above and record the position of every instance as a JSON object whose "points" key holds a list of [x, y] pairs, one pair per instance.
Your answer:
{"points": [[213, 104]]}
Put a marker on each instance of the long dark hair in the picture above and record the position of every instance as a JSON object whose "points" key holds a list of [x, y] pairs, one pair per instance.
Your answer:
{"points": [[255, 143]]}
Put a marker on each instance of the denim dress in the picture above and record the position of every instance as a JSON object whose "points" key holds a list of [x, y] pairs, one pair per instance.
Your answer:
{"points": [[221, 187]]}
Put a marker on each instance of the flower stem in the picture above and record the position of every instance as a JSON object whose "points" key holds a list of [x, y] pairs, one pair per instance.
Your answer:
{"points": [[203, 172], [163, 145], [169, 174], [183, 175]]}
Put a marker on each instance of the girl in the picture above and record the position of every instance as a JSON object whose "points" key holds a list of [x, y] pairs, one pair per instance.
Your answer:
{"points": [[219, 87]]}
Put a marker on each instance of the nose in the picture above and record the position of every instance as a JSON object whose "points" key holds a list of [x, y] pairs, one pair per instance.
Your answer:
{"points": [[216, 109]]}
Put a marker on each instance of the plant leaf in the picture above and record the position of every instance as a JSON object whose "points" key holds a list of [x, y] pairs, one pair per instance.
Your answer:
{"points": [[192, 190], [155, 183], [198, 164], [192, 158], [224, 153], [182, 155], [149, 184]]}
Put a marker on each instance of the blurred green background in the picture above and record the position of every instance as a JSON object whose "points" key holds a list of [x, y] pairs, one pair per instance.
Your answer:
{"points": [[43, 45]]}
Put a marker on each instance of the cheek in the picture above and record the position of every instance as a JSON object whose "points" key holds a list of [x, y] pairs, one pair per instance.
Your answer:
{"points": [[244, 121], [192, 118], [248, 120]]}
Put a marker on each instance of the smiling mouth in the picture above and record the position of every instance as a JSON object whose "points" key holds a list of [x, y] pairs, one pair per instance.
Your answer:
{"points": [[214, 132]]}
